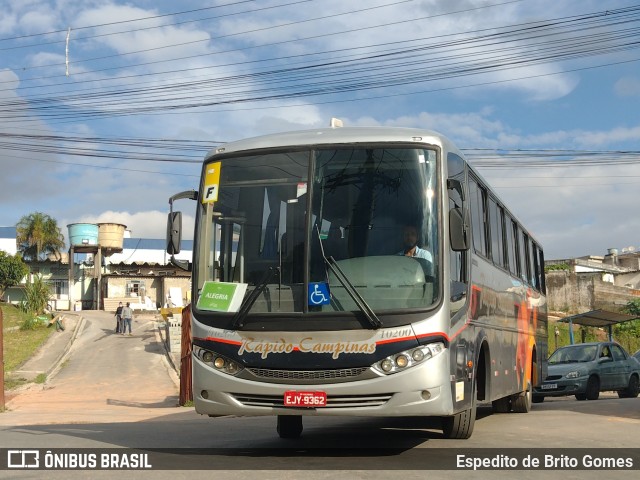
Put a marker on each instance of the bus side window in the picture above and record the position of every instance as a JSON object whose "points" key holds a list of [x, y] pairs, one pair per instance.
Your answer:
{"points": [[517, 249], [526, 258], [477, 198], [510, 245]]}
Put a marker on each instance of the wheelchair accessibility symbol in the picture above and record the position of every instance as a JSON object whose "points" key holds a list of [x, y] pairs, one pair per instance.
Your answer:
{"points": [[319, 294]]}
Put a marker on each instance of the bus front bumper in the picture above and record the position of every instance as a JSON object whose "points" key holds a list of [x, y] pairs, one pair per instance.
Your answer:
{"points": [[423, 390]]}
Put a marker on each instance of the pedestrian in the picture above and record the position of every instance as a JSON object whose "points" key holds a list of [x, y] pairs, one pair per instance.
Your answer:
{"points": [[119, 318], [127, 313]]}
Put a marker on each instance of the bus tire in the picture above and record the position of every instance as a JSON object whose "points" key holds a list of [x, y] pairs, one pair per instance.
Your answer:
{"points": [[289, 426], [460, 425], [522, 403]]}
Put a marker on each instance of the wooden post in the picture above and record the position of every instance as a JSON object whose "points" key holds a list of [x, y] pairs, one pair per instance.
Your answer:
{"points": [[1, 363], [186, 386], [71, 277]]}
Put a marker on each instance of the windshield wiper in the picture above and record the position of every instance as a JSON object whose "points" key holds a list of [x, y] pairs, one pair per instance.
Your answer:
{"points": [[238, 319], [364, 307], [373, 319]]}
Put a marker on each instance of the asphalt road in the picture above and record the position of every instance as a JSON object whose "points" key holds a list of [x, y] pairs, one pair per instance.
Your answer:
{"points": [[118, 392]]}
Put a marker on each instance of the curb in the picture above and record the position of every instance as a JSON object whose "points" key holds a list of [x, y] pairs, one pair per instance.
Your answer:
{"points": [[55, 368], [171, 366]]}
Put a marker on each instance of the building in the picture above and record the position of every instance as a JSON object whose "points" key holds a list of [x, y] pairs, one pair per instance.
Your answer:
{"points": [[593, 282], [8, 241], [140, 274]]}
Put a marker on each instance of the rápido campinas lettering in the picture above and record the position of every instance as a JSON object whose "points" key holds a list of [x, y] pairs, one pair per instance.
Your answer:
{"points": [[305, 345]]}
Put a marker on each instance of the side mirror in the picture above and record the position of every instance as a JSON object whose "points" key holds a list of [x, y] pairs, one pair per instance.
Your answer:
{"points": [[174, 232], [454, 184], [459, 230]]}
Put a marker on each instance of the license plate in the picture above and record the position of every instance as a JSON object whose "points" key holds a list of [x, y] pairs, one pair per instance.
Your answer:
{"points": [[548, 386], [305, 399]]}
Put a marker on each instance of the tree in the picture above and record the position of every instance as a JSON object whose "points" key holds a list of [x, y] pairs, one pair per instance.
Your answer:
{"points": [[12, 270], [38, 236], [630, 331]]}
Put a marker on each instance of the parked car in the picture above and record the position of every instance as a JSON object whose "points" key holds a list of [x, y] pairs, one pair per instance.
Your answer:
{"points": [[586, 369]]}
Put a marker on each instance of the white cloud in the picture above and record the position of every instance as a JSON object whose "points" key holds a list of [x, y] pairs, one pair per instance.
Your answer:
{"points": [[627, 87], [150, 42], [36, 21]]}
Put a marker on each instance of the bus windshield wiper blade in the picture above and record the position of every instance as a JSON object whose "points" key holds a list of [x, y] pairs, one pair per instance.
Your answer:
{"points": [[238, 319], [362, 304]]}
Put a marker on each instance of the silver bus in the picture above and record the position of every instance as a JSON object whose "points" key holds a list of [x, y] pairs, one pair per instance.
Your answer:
{"points": [[359, 272]]}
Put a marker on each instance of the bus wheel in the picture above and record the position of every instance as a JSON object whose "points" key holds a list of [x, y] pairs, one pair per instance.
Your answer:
{"points": [[461, 424], [522, 403], [289, 426]]}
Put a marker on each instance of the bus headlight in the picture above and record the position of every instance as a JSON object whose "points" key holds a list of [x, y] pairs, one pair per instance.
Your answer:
{"points": [[219, 362], [399, 362]]}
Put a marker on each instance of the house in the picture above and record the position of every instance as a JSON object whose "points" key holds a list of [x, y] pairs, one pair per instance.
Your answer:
{"points": [[142, 275]]}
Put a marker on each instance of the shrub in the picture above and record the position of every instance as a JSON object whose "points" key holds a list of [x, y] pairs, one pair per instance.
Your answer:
{"points": [[37, 295]]}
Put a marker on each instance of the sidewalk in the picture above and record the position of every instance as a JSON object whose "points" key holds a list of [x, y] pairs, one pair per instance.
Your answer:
{"points": [[81, 384]]}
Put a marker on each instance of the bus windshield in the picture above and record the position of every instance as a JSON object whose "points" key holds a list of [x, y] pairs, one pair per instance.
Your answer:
{"points": [[282, 219]]}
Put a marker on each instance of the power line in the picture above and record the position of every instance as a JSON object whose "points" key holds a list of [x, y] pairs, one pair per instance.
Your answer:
{"points": [[120, 22], [344, 76]]}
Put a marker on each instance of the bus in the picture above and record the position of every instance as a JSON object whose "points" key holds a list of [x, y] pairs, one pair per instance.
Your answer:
{"points": [[359, 272]]}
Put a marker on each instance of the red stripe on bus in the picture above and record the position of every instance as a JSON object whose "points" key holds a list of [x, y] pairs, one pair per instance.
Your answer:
{"points": [[434, 334], [394, 340], [220, 340]]}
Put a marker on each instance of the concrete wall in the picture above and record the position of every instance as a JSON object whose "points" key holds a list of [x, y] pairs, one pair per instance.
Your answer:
{"points": [[578, 293], [569, 292]]}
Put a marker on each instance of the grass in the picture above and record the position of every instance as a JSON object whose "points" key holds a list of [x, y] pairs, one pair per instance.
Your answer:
{"points": [[19, 345], [591, 334]]}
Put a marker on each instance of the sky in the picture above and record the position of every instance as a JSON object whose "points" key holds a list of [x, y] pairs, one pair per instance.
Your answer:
{"points": [[107, 108]]}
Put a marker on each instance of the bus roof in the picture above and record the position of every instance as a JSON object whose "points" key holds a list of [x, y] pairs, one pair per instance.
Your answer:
{"points": [[351, 135], [332, 136]]}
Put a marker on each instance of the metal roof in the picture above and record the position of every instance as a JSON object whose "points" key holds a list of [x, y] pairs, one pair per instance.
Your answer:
{"points": [[599, 318], [8, 232]]}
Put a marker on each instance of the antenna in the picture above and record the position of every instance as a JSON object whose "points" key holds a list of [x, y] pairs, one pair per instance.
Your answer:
{"points": [[67, 51]]}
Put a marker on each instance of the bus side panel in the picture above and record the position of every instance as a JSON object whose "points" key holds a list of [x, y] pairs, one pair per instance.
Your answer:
{"points": [[512, 318]]}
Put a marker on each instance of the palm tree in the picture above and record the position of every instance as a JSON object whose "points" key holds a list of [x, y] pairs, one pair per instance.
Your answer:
{"points": [[39, 236]]}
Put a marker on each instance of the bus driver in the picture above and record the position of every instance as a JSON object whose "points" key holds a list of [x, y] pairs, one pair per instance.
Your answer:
{"points": [[411, 248]]}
